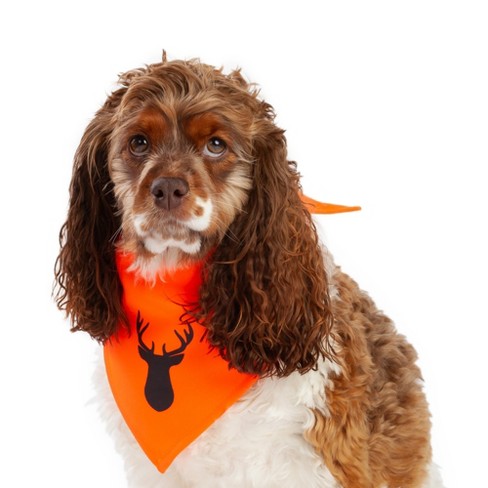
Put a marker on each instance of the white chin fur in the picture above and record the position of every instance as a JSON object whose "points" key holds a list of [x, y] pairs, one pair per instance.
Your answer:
{"points": [[157, 245]]}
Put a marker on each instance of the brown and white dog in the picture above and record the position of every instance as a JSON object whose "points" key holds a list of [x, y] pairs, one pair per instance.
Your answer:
{"points": [[182, 163]]}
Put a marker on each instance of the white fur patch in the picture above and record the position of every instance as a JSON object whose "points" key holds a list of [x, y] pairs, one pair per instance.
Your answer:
{"points": [[258, 442], [203, 221], [138, 222], [158, 245], [434, 479]]}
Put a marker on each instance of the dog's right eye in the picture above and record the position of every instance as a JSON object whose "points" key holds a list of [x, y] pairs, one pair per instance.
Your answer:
{"points": [[138, 145]]}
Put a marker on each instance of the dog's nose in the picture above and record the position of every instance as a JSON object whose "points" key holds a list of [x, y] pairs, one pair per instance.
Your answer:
{"points": [[168, 193]]}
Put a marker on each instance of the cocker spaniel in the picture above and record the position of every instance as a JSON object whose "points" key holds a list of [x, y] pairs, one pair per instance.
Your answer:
{"points": [[183, 171]]}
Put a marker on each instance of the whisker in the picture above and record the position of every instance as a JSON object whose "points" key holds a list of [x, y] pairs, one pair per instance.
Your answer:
{"points": [[229, 233], [116, 235], [232, 236]]}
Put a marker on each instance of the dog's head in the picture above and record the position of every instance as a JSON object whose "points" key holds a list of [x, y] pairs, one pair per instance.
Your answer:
{"points": [[184, 163]]}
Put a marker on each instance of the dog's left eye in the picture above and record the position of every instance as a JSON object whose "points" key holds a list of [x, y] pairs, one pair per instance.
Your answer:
{"points": [[138, 145], [215, 147]]}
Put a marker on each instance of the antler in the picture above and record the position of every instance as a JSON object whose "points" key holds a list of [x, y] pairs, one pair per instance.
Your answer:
{"points": [[140, 332], [184, 342]]}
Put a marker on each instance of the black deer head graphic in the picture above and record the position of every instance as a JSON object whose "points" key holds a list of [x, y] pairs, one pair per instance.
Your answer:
{"points": [[159, 390]]}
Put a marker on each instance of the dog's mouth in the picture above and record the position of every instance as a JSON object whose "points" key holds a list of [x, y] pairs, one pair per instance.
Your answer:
{"points": [[174, 237], [161, 231]]}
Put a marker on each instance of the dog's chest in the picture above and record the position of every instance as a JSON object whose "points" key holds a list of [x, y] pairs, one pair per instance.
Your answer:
{"points": [[259, 441]]}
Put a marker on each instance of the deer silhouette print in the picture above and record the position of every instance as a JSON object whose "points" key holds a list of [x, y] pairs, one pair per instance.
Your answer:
{"points": [[158, 389]]}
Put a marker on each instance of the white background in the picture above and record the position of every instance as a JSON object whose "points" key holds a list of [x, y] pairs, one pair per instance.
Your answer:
{"points": [[385, 105]]}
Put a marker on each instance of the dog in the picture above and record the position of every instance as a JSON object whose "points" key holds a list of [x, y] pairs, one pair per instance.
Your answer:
{"points": [[184, 165]]}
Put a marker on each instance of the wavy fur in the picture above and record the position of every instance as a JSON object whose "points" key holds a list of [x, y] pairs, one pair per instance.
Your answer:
{"points": [[352, 415], [88, 287], [265, 255], [269, 254]]}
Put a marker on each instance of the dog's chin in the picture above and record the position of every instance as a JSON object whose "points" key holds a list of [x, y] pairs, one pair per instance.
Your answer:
{"points": [[160, 245], [149, 266], [158, 253], [163, 243]]}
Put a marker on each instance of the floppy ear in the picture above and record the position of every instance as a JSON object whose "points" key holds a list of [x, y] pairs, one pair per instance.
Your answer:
{"points": [[88, 287], [264, 299]]}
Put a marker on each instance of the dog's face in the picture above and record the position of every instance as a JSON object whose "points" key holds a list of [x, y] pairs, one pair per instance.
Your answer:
{"points": [[181, 163], [185, 163]]}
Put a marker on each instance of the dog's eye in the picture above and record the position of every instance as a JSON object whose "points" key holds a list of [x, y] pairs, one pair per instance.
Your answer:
{"points": [[215, 147], [138, 145]]}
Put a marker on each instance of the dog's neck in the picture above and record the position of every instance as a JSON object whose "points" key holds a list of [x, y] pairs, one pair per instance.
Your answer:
{"points": [[150, 267]]}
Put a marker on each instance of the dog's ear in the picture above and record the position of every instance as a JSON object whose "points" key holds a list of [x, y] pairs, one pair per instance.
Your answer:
{"points": [[265, 300], [88, 288]]}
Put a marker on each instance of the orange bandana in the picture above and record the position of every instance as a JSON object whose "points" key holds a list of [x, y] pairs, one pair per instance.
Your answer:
{"points": [[317, 207], [168, 384]]}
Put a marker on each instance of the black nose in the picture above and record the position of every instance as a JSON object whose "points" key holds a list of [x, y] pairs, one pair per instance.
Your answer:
{"points": [[168, 193]]}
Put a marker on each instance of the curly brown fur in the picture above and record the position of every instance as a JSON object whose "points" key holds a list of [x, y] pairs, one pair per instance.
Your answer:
{"points": [[264, 299], [266, 261], [234, 203], [88, 286], [377, 430]]}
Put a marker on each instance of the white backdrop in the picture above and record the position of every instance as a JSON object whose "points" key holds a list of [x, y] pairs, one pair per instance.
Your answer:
{"points": [[385, 105]]}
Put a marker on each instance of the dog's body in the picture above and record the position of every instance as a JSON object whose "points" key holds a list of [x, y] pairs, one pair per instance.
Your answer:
{"points": [[197, 169]]}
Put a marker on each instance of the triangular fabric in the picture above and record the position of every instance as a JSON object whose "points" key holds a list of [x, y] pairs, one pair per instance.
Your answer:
{"points": [[167, 382]]}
